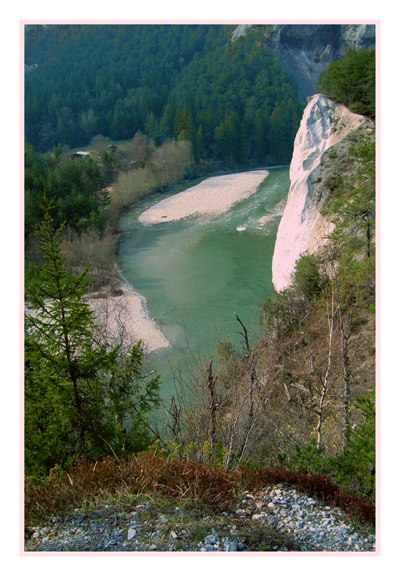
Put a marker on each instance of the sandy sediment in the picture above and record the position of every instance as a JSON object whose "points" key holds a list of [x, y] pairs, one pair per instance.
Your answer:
{"points": [[212, 197], [124, 319]]}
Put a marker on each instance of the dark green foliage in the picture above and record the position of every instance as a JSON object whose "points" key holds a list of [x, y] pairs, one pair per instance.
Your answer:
{"points": [[307, 276], [104, 79], [351, 80], [354, 467], [283, 313], [246, 104], [277, 317], [232, 100], [74, 185], [82, 400]]}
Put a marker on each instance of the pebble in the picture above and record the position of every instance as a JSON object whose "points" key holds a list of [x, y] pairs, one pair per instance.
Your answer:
{"points": [[313, 526]]}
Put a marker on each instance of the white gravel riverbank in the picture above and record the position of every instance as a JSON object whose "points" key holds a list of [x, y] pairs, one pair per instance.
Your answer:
{"points": [[127, 315], [212, 197], [124, 319]]}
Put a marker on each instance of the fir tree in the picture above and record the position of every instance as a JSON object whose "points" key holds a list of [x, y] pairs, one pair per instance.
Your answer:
{"points": [[82, 400]]}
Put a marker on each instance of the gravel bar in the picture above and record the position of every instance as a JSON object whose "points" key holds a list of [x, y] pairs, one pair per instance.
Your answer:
{"points": [[210, 198]]}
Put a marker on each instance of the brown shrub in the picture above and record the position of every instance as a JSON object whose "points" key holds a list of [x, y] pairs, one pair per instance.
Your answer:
{"points": [[91, 248], [158, 168], [154, 473]]}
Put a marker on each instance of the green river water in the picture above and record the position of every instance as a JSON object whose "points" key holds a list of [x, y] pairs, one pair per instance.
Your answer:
{"points": [[196, 274]]}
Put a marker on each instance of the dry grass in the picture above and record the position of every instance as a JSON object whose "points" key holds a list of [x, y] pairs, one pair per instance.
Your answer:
{"points": [[179, 481]]}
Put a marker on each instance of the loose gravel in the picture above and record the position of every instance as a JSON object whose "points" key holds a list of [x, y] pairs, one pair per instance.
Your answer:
{"points": [[210, 198], [298, 522]]}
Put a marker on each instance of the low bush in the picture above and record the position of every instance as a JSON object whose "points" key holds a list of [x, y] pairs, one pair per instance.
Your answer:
{"points": [[152, 473], [354, 468]]}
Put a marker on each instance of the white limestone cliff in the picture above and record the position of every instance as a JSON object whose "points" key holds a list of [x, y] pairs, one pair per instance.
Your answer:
{"points": [[302, 228]]}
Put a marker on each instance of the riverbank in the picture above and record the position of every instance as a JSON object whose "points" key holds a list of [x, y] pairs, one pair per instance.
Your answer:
{"points": [[126, 315], [121, 312], [212, 197], [124, 319]]}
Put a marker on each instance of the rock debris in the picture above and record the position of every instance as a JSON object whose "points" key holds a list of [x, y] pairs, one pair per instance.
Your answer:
{"points": [[276, 518]]}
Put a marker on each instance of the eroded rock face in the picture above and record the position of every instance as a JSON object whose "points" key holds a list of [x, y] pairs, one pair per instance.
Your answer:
{"points": [[325, 130], [305, 50]]}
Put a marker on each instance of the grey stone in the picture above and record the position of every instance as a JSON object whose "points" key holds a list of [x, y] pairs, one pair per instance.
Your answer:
{"points": [[320, 529], [131, 533]]}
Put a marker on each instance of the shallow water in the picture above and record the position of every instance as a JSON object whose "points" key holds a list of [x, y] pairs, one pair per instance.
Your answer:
{"points": [[196, 274]]}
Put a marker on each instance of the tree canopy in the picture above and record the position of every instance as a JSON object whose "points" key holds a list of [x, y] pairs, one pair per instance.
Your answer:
{"points": [[232, 100], [83, 398], [74, 185], [351, 80]]}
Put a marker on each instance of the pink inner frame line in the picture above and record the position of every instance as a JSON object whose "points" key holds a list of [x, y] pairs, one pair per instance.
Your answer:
{"points": [[378, 277]]}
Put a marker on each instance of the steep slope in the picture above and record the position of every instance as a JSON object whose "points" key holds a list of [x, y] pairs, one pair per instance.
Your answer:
{"points": [[305, 50], [326, 133]]}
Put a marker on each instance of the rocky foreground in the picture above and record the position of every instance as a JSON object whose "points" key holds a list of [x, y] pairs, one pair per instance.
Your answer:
{"points": [[277, 518]]}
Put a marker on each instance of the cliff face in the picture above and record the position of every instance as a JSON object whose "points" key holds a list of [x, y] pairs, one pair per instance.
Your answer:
{"points": [[326, 132], [305, 50]]}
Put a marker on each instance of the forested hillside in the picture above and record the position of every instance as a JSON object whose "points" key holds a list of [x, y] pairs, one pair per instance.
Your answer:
{"points": [[296, 408], [351, 81], [231, 100]]}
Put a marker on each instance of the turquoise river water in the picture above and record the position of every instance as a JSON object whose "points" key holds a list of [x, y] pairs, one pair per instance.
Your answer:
{"points": [[196, 274]]}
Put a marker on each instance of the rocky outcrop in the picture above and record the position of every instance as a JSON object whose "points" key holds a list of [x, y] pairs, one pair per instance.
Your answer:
{"points": [[305, 50], [241, 30], [326, 133]]}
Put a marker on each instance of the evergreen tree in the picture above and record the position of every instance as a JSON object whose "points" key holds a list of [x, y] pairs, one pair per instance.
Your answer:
{"points": [[351, 80], [82, 399], [183, 124], [152, 128], [182, 76]]}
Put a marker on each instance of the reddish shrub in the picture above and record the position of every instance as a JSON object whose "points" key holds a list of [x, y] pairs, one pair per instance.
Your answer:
{"points": [[151, 472]]}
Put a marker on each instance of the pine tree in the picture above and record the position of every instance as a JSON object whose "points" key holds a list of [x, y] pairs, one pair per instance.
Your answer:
{"points": [[351, 80], [82, 400]]}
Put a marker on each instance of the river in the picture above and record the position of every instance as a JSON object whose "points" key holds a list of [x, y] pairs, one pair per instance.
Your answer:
{"points": [[197, 274]]}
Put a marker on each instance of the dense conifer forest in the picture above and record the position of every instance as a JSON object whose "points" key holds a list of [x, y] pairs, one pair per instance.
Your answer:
{"points": [[231, 100]]}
